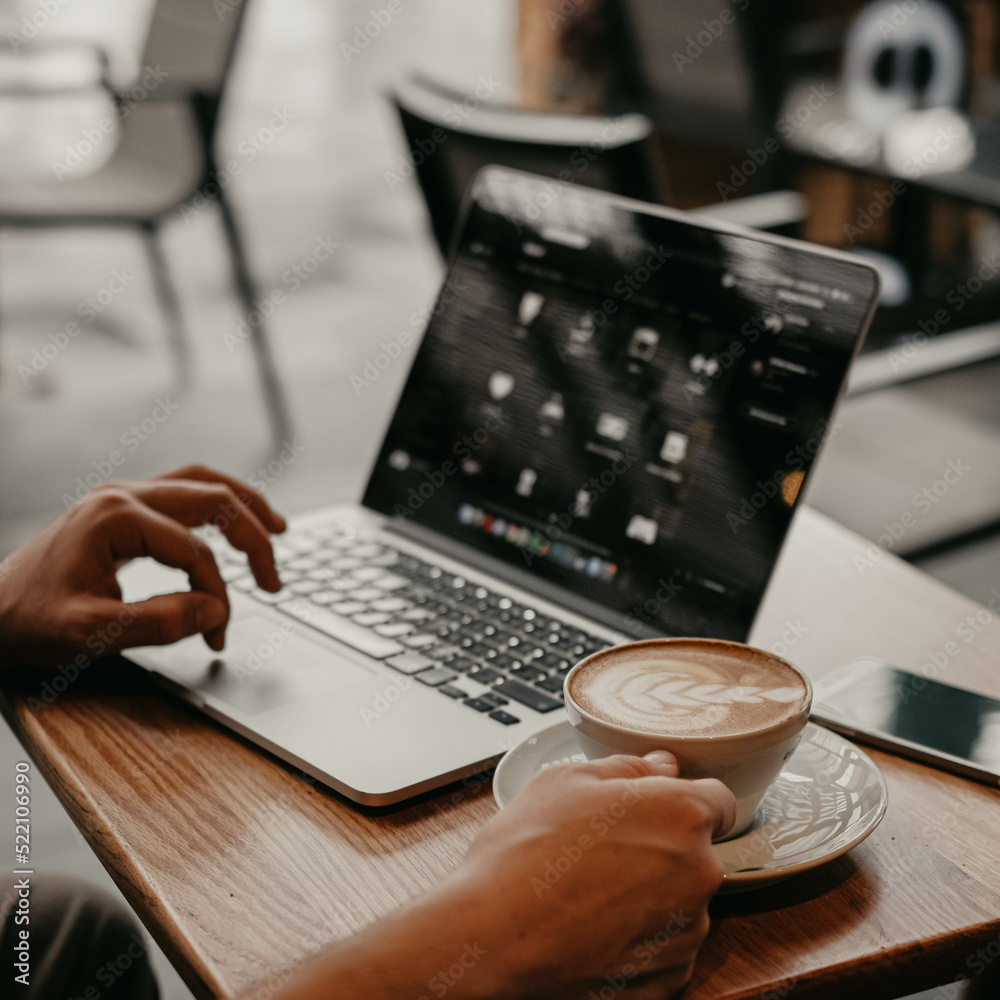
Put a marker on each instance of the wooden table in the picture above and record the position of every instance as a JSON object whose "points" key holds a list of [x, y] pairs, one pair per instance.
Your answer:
{"points": [[240, 868]]}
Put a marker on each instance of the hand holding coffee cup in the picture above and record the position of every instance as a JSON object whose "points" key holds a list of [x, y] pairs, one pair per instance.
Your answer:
{"points": [[725, 710]]}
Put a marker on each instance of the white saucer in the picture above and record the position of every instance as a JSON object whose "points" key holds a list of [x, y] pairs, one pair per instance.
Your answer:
{"points": [[826, 800]]}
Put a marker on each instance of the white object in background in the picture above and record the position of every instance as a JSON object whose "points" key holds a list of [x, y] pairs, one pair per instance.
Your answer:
{"points": [[928, 142], [900, 59], [895, 288]]}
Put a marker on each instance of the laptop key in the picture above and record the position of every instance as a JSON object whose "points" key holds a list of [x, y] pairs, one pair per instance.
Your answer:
{"points": [[346, 608], [479, 705], [484, 675], [266, 597], [341, 629], [391, 581], [505, 718], [344, 563], [553, 684], [366, 574], [528, 673], [325, 597], [442, 652], [366, 593], [409, 662], [418, 641], [452, 692], [370, 618], [436, 676], [418, 615], [391, 604], [394, 629], [537, 700], [494, 699]]}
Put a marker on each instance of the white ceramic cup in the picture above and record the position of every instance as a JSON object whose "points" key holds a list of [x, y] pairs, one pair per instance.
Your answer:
{"points": [[745, 762]]}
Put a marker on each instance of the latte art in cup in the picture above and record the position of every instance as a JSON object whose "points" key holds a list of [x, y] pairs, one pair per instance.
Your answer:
{"points": [[693, 692], [725, 710]]}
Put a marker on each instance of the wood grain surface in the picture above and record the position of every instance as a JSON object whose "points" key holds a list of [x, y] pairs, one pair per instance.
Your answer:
{"points": [[240, 867]]}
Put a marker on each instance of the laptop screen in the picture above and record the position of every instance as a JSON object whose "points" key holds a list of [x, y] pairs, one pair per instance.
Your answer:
{"points": [[625, 404]]}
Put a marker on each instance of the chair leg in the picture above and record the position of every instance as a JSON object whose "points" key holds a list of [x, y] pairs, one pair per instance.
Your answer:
{"points": [[169, 302], [273, 392]]}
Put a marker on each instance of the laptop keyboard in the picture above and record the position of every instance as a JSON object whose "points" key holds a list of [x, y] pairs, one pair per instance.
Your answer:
{"points": [[421, 620]]}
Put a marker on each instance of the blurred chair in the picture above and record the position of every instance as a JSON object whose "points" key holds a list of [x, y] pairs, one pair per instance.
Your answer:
{"points": [[706, 75], [450, 135], [716, 79], [448, 143], [164, 160]]}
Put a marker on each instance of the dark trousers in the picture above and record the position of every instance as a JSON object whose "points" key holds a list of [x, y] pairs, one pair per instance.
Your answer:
{"points": [[83, 945]]}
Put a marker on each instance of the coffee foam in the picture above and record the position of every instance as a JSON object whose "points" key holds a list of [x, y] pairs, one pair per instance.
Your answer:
{"points": [[678, 690]]}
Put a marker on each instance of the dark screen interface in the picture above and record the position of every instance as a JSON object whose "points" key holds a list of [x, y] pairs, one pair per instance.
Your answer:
{"points": [[624, 404]]}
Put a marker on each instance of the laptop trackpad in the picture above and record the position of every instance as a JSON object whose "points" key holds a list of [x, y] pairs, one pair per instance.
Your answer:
{"points": [[267, 662]]}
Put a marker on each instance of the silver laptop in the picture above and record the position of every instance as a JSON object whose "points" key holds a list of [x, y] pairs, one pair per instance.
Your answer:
{"points": [[607, 426]]}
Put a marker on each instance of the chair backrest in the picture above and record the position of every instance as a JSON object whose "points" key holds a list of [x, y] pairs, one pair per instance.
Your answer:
{"points": [[705, 75], [193, 41], [451, 135]]}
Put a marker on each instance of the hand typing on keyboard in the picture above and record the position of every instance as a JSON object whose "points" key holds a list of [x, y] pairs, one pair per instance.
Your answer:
{"points": [[59, 598]]}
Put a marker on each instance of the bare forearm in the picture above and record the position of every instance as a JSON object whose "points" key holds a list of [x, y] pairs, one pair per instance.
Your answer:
{"points": [[444, 943]]}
